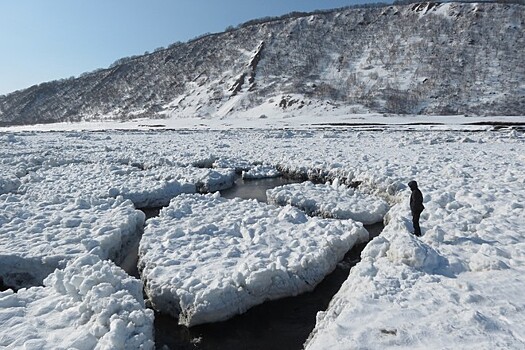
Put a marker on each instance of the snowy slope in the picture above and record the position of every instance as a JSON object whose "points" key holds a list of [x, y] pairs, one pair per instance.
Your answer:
{"points": [[431, 58]]}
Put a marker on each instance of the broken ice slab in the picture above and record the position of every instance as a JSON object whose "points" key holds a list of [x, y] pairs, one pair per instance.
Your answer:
{"points": [[330, 201], [36, 237], [145, 188], [207, 258], [91, 304], [261, 172]]}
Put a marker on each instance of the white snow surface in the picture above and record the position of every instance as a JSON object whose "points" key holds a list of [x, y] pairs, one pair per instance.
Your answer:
{"points": [[320, 115], [207, 258], [38, 236], [330, 201], [91, 304], [458, 286], [261, 172], [9, 182], [146, 188]]}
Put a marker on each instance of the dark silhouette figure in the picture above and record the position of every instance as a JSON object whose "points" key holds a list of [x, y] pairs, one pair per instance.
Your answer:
{"points": [[416, 206]]}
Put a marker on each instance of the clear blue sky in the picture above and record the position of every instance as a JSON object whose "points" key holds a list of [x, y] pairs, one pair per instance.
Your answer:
{"points": [[43, 40]]}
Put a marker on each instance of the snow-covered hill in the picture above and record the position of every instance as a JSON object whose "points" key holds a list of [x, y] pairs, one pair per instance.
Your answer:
{"points": [[428, 58]]}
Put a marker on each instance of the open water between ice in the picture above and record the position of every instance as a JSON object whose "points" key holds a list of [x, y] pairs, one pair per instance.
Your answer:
{"points": [[280, 324], [3, 287]]}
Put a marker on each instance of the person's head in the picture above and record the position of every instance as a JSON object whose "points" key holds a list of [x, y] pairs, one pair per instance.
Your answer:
{"points": [[412, 184]]}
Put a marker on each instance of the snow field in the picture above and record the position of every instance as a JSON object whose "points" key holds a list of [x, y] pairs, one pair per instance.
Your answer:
{"points": [[91, 304], [330, 201], [146, 188], [36, 237], [458, 286], [206, 258]]}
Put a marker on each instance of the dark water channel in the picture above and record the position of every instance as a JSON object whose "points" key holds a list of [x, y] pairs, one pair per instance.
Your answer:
{"points": [[279, 324], [3, 287]]}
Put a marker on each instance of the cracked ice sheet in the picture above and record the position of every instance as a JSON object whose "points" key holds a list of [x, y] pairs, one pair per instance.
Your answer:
{"points": [[38, 236], [331, 201], [405, 294], [459, 285], [91, 304], [145, 188], [206, 258], [148, 188], [474, 191]]}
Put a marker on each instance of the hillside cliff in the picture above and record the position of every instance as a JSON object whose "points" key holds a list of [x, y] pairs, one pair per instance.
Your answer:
{"points": [[428, 58]]}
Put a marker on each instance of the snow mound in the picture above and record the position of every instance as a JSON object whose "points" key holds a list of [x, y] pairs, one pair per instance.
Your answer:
{"points": [[8, 183], [261, 172], [238, 165], [400, 248], [206, 258], [38, 237], [488, 258], [206, 180], [330, 201], [91, 304]]}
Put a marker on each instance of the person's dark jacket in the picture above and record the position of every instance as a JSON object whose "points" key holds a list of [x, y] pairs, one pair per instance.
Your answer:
{"points": [[416, 198]]}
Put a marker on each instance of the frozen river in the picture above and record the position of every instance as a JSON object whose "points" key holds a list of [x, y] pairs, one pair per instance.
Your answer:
{"points": [[280, 324], [68, 213]]}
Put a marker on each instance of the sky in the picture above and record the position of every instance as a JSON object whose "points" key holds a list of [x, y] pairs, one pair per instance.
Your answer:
{"points": [[47, 40]]}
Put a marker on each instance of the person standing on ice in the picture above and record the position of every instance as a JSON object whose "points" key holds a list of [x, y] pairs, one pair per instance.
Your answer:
{"points": [[416, 206]]}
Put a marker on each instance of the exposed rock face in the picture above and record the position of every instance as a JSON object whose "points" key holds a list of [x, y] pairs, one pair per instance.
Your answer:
{"points": [[428, 58]]}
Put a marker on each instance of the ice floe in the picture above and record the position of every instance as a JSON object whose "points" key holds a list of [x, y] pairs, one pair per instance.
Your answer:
{"points": [[91, 304], [145, 188], [205, 180], [36, 237], [459, 285], [207, 258], [261, 172], [330, 201]]}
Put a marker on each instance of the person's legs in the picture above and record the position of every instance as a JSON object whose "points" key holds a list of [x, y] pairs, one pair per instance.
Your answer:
{"points": [[415, 223]]}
